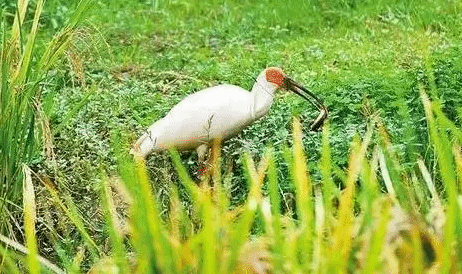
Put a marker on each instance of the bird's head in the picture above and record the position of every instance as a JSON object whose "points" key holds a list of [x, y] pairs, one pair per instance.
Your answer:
{"points": [[277, 77]]}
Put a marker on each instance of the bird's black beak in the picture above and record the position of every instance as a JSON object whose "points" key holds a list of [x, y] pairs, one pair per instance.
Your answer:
{"points": [[314, 100]]}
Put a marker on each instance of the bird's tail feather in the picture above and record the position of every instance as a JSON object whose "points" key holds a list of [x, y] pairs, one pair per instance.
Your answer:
{"points": [[143, 146]]}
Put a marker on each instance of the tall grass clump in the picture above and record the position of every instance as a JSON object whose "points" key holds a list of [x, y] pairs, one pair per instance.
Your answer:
{"points": [[24, 127], [350, 220], [359, 224]]}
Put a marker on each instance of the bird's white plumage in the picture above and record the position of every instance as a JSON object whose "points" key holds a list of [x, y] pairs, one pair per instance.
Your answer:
{"points": [[216, 112]]}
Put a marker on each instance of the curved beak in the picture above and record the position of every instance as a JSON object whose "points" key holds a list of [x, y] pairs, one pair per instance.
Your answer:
{"points": [[310, 97]]}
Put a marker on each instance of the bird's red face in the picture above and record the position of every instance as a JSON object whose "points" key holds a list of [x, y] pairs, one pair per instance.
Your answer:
{"points": [[276, 76]]}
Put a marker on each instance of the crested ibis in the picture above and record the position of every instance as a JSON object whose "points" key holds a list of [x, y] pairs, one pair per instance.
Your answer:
{"points": [[220, 112]]}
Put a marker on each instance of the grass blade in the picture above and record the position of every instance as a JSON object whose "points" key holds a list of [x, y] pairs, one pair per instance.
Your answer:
{"points": [[8, 265], [386, 175], [320, 220], [24, 64], [184, 176], [209, 241], [241, 231], [328, 186], [278, 242], [19, 19], [343, 232], [29, 221], [446, 168], [303, 187], [160, 244]]}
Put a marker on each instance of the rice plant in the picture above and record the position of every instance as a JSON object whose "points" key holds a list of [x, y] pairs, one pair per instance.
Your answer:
{"points": [[24, 127]]}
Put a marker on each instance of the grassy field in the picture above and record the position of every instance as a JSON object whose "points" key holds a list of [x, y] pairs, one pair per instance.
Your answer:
{"points": [[377, 191]]}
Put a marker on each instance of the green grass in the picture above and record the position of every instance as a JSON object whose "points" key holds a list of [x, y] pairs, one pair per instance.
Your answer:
{"points": [[130, 62]]}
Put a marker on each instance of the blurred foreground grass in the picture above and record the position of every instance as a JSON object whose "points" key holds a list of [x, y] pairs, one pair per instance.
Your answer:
{"points": [[358, 228]]}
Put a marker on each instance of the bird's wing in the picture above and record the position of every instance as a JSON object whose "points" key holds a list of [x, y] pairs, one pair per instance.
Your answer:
{"points": [[211, 99], [217, 112]]}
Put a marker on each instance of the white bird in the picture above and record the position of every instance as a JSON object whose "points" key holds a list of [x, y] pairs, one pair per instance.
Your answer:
{"points": [[219, 112]]}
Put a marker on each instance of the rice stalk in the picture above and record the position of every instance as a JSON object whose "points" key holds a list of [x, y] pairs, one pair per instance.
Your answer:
{"points": [[240, 232], [378, 238], [343, 232], [276, 223], [431, 186], [394, 171], [318, 245], [328, 186], [161, 248], [209, 257], [303, 188], [370, 185], [24, 64], [21, 118]]}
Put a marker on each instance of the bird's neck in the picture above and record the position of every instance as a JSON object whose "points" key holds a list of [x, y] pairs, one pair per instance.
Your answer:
{"points": [[263, 92]]}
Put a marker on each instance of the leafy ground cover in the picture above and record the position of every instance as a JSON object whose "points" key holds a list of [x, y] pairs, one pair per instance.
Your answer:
{"points": [[362, 58], [129, 63]]}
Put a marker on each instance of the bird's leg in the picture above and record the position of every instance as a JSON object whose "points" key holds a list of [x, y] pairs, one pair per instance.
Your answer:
{"points": [[201, 153], [202, 150], [209, 164]]}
